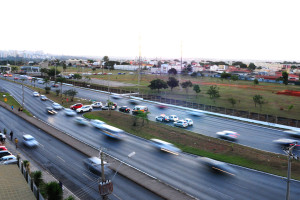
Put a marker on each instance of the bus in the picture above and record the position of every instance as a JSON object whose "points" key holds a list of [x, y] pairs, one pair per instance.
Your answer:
{"points": [[111, 131]]}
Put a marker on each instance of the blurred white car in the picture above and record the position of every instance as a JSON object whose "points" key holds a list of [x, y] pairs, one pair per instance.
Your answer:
{"points": [[70, 112], [173, 118], [165, 146], [181, 123], [57, 106], [36, 94], [97, 123], [97, 105], [293, 133], [44, 98], [196, 113], [81, 121], [29, 141], [189, 121], [86, 108], [116, 96], [229, 135], [6, 160]]}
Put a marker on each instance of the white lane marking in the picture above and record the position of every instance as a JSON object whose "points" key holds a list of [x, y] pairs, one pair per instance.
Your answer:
{"points": [[60, 158], [87, 176]]}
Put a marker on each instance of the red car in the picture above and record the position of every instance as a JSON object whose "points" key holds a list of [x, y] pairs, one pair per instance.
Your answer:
{"points": [[75, 106], [3, 148], [16, 78]]}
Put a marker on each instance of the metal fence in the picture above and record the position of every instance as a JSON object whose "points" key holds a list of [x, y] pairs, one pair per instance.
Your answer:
{"points": [[30, 182]]}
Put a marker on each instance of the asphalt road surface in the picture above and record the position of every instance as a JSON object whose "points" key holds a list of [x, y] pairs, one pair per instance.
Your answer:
{"points": [[183, 171], [66, 164]]}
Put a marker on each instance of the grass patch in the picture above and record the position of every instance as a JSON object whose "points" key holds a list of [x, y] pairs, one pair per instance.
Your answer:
{"points": [[11, 101], [201, 145]]}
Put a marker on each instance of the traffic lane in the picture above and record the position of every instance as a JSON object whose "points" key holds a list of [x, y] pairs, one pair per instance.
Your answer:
{"points": [[163, 164], [60, 159]]}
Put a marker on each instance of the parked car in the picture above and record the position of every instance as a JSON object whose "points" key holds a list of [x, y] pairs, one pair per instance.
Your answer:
{"points": [[97, 105], [10, 159], [124, 109], [284, 142], [70, 112], [162, 118], [94, 165], [50, 110], [44, 98], [97, 123], [76, 106], [112, 107], [41, 82], [30, 141], [181, 123], [4, 153], [139, 108], [165, 146], [229, 135], [173, 118], [36, 94], [189, 121], [217, 166], [86, 108], [81, 121], [16, 78], [57, 106], [3, 148], [54, 85]]}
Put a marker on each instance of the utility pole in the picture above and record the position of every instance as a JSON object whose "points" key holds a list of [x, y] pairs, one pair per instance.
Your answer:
{"points": [[139, 71], [289, 152], [105, 186], [23, 93]]}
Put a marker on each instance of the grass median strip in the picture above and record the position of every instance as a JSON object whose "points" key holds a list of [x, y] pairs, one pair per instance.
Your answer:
{"points": [[11, 101], [200, 145]]}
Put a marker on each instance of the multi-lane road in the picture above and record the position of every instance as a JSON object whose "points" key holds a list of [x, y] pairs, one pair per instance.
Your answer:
{"points": [[184, 171], [66, 164]]}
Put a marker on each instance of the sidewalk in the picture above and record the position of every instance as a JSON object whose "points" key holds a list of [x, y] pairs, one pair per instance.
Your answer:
{"points": [[34, 166], [151, 183]]}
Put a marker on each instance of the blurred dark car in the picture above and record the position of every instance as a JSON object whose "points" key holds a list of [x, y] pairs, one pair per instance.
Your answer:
{"points": [[293, 133], [217, 166], [161, 106], [124, 109], [133, 102]]}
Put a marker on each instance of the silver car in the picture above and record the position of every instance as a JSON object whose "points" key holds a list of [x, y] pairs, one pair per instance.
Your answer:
{"points": [[94, 165], [70, 112], [30, 141], [57, 106], [97, 123], [81, 121], [165, 146], [6, 160]]}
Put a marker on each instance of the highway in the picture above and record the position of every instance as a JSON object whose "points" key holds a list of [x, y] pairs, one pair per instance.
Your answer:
{"points": [[66, 164], [184, 171]]}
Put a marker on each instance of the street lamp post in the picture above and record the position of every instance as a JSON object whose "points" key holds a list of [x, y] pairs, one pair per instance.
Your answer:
{"points": [[128, 156], [289, 152]]}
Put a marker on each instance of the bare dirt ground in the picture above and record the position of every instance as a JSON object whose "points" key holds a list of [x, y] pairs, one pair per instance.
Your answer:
{"points": [[111, 83]]}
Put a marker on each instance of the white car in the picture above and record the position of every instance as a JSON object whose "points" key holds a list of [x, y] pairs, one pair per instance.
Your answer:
{"points": [[162, 118], [41, 82], [116, 96], [181, 123], [165, 146], [229, 135], [189, 121], [196, 113], [44, 98], [70, 112], [86, 108], [57, 106], [36, 94], [97, 123], [6, 160], [97, 105], [81, 121], [29, 141], [173, 118]]}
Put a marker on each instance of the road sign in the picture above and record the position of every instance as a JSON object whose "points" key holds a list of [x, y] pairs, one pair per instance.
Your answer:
{"points": [[5, 99]]}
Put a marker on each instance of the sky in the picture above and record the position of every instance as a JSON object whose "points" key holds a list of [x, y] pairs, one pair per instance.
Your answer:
{"points": [[215, 29]]}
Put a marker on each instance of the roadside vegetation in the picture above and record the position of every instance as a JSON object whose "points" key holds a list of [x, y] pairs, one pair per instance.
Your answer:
{"points": [[199, 144], [11, 101]]}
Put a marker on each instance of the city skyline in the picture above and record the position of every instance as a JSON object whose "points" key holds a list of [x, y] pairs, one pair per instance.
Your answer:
{"points": [[231, 30]]}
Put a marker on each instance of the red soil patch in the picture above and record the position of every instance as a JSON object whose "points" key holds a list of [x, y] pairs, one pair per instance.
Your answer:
{"points": [[289, 93]]}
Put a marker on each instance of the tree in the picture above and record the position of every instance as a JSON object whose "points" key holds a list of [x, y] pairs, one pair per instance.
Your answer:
{"points": [[61, 80], [14, 68], [47, 89], [213, 92], [259, 67], [37, 177], [189, 68], [44, 71], [105, 59], [64, 66], [252, 66], [46, 81], [72, 93], [94, 69], [57, 92], [53, 191], [258, 99], [70, 64], [158, 84], [109, 104], [234, 77], [241, 64], [34, 79], [51, 72], [197, 89], [77, 76], [285, 77], [172, 82], [225, 75], [255, 82], [232, 101], [186, 85], [172, 71]]}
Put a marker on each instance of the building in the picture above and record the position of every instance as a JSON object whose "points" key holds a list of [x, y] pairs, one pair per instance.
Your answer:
{"points": [[29, 69]]}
